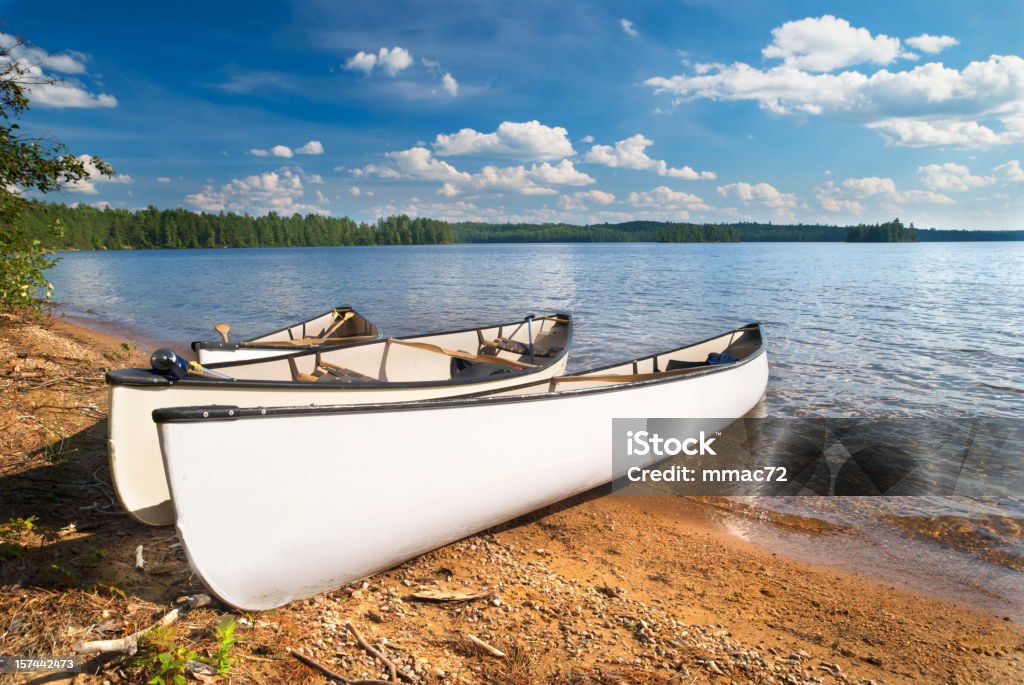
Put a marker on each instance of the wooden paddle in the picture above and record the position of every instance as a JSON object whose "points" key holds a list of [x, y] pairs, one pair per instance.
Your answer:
{"points": [[459, 354], [223, 329]]}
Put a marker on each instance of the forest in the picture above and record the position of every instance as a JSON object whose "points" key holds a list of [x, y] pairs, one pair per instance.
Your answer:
{"points": [[87, 228]]}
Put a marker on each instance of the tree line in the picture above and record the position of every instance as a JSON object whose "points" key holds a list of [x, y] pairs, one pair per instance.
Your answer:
{"points": [[88, 228]]}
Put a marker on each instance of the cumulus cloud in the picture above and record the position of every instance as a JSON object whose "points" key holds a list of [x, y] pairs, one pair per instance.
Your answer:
{"points": [[627, 28], [44, 91], [88, 186], [313, 147], [665, 199], [1010, 172], [450, 85], [758, 193], [827, 42], [951, 177], [163, 179], [419, 163], [631, 154], [932, 44], [851, 194], [562, 174], [392, 60], [272, 191], [529, 140], [578, 202], [929, 105]]}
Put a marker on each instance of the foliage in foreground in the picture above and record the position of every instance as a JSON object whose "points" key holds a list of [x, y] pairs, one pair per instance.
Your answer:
{"points": [[28, 164]]}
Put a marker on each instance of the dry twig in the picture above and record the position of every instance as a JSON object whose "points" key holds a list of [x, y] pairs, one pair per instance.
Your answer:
{"points": [[393, 671], [332, 675], [130, 643], [490, 649]]}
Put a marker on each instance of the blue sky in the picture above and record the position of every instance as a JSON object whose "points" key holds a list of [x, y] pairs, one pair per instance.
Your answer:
{"points": [[586, 112]]}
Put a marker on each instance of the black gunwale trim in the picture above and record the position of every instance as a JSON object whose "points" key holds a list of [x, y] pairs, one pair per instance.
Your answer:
{"points": [[309, 387], [231, 413]]}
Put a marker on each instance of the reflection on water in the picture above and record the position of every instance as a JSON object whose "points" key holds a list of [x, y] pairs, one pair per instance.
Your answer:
{"points": [[928, 330]]}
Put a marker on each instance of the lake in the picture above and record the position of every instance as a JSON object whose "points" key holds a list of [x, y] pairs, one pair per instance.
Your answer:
{"points": [[928, 330]]}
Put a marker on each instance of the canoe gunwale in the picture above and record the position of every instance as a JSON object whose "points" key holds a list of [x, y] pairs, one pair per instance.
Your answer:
{"points": [[231, 413]]}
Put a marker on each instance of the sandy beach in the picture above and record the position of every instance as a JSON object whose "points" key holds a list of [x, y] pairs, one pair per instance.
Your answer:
{"points": [[598, 589]]}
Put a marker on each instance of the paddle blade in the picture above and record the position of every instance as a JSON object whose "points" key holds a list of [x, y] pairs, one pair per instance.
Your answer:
{"points": [[223, 329]]}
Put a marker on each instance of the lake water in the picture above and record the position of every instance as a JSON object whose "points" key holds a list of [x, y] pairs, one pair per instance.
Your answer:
{"points": [[870, 330]]}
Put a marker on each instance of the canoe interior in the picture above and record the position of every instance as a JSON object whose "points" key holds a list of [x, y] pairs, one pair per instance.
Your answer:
{"points": [[741, 343], [394, 361], [338, 326]]}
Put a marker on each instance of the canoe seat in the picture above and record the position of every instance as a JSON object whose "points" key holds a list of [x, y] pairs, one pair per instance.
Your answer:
{"points": [[522, 349], [335, 373]]}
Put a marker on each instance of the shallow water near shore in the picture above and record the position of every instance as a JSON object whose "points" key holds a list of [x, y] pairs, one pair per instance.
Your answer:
{"points": [[925, 330]]}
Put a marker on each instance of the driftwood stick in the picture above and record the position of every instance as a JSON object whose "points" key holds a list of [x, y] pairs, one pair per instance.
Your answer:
{"points": [[490, 649], [332, 675], [374, 652], [130, 643]]}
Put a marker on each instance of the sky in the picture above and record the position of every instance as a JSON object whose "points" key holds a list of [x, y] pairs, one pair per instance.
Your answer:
{"points": [[537, 111]]}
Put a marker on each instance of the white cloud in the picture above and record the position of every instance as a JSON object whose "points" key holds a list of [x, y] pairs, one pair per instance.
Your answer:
{"points": [[587, 139], [313, 147], [758, 193], [1010, 172], [258, 194], [665, 199], [627, 28], [562, 174], [416, 163], [932, 44], [515, 178], [163, 179], [361, 61], [869, 186], [355, 191], [943, 133], [950, 177], [630, 154], [577, 202], [392, 60], [850, 195], [88, 186], [65, 93], [530, 140], [450, 85], [448, 190], [980, 106], [827, 42]]}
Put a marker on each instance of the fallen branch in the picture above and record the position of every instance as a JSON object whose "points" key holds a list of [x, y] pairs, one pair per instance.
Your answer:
{"points": [[332, 675], [441, 596], [130, 644], [493, 651], [374, 652]]}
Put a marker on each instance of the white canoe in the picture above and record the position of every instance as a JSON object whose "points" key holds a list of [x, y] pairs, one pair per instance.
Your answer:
{"points": [[338, 327], [278, 504], [394, 370]]}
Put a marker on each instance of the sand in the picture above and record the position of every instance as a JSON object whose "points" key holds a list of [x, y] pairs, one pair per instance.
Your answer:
{"points": [[599, 589]]}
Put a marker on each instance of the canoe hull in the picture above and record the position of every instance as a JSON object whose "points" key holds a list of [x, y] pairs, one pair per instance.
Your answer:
{"points": [[340, 496]]}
